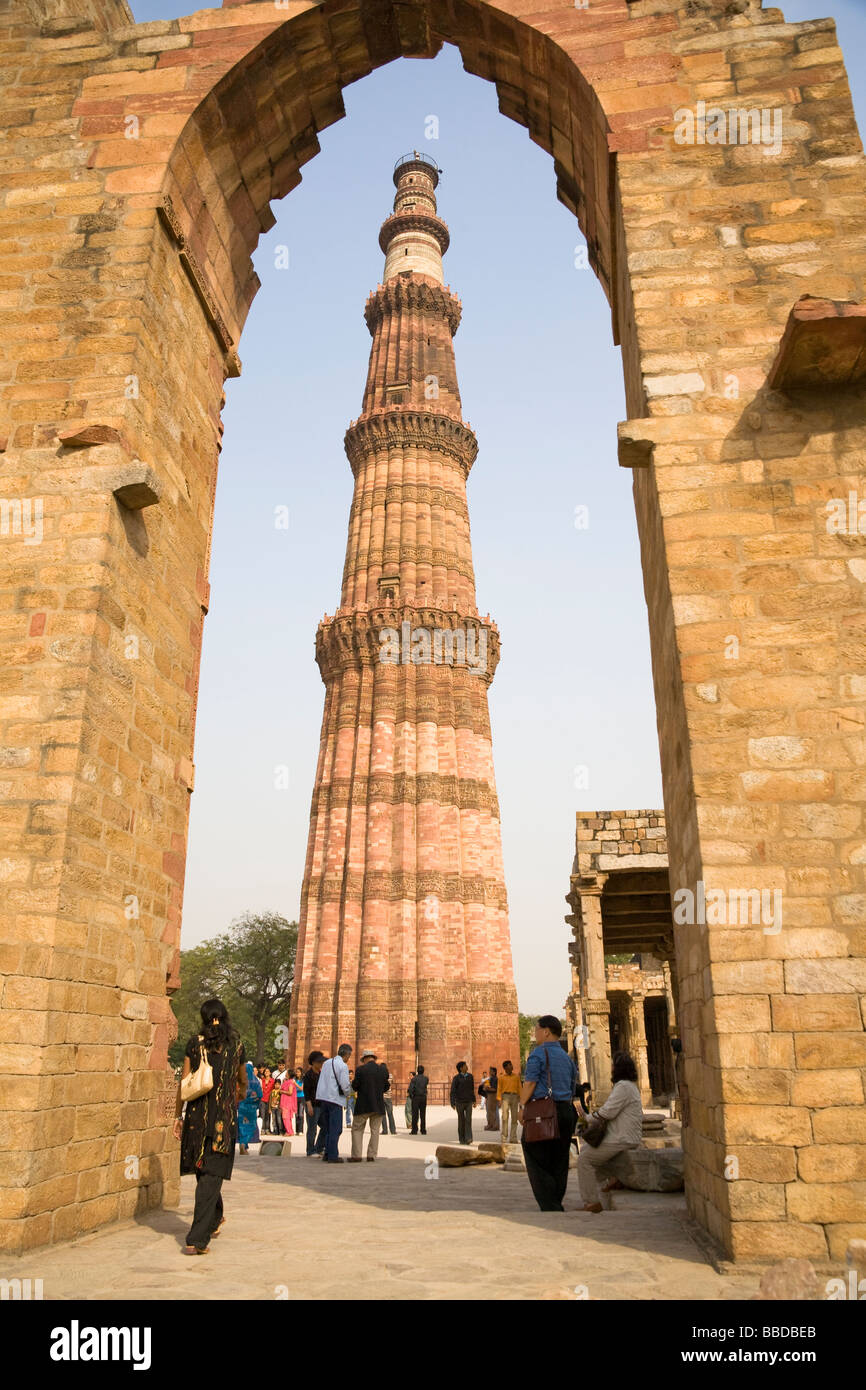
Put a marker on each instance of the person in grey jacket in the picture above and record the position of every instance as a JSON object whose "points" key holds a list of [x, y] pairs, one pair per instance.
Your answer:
{"points": [[624, 1114]]}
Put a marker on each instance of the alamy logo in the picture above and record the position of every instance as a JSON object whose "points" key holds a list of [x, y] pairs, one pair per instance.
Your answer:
{"points": [[24, 1290], [735, 907], [76, 1343], [439, 646], [836, 1289], [846, 517], [738, 125], [21, 516]]}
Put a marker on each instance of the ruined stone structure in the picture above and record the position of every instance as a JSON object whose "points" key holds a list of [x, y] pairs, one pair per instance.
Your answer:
{"points": [[642, 1022], [620, 904], [641, 1018], [403, 941], [140, 162]]}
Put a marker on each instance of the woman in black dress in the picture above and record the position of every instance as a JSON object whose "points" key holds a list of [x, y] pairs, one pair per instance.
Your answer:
{"points": [[208, 1130]]}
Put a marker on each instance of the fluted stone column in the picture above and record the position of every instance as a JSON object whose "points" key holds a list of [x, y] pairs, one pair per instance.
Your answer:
{"points": [[585, 898], [638, 1046]]}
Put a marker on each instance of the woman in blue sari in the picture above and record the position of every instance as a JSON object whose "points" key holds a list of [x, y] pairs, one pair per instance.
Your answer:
{"points": [[248, 1130]]}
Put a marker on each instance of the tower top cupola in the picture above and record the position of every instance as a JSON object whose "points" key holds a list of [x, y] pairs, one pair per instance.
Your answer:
{"points": [[414, 237]]}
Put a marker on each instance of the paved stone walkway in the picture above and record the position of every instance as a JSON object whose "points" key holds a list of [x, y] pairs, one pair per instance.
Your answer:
{"points": [[297, 1228]]}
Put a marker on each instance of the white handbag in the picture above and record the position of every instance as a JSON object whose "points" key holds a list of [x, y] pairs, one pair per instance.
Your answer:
{"points": [[198, 1083]]}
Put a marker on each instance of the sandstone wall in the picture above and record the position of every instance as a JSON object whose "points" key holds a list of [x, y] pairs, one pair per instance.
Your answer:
{"points": [[141, 164]]}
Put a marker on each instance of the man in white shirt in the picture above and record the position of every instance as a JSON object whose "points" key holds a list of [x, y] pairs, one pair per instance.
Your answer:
{"points": [[331, 1092]]}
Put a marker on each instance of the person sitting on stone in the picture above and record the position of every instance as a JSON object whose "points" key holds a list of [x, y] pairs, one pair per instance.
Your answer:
{"points": [[624, 1114]]}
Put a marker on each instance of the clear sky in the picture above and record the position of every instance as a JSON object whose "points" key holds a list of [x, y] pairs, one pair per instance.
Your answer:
{"points": [[572, 702]]}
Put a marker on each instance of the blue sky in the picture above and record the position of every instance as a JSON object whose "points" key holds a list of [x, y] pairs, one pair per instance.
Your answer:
{"points": [[572, 702]]}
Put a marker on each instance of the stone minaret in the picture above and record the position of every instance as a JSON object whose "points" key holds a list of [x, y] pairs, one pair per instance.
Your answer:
{"points": [[404, 942]]}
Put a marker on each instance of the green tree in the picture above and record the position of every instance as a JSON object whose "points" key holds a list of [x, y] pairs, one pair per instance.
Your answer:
{"points": [[198, 981], [526, 1024], [251, 967]]}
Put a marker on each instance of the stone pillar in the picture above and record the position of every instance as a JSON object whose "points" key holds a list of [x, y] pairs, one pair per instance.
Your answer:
{"points": [[575, 1025], [638, 1046], [673, 1022], [585, 897], [580, 1040]]}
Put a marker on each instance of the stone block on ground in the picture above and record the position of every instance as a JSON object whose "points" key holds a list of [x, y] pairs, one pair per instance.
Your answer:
{"points": [[653, 1122], [498, 1152], [276, 1148], [789, 1279], [461, 1155], [651, 1170]]}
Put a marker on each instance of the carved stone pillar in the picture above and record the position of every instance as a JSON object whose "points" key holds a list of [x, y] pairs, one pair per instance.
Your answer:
{"points": [[673, 1022], [585, 898], [597, 1013], [575, 1023], [638, 1044]]}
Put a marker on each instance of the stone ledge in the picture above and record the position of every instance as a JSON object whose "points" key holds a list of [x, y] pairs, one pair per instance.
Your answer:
{"points": [[823, 345], [632, 861], [136, 487], [86, 436]]}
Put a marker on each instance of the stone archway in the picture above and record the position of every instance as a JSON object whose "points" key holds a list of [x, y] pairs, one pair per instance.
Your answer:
{"points": [[148, 156]]}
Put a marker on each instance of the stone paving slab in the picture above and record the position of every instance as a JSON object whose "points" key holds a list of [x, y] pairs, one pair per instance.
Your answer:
{"points": [[297, 1228]]}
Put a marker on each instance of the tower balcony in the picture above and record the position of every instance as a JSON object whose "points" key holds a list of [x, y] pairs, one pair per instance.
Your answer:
{"points": [[400, 428], [407, 635], [424, 163]]}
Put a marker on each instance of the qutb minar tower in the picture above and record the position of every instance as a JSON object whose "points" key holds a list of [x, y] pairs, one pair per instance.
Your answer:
{"points": [[404, 942]]}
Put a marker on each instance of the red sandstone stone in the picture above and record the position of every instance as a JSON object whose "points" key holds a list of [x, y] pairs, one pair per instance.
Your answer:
{"points": [[403, 916]]}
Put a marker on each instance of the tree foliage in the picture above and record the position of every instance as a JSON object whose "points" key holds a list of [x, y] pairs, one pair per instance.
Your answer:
{"points": [[251, 968], [527, 1024]]}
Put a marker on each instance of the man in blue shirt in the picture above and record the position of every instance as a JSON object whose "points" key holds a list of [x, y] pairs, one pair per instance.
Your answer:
{"points": [[547, 1159]]}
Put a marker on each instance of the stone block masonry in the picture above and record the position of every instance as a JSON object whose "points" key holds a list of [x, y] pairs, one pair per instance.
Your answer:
{"points": [[138, 176]]}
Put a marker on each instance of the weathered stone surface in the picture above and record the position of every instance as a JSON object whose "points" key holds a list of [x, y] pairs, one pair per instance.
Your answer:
{"points": [[136, 487], [790, 1279], [652, 1170], [824, 344], [498, 1152], [275, 1148], [461, 1156], [515, 1162], [83, 435]]}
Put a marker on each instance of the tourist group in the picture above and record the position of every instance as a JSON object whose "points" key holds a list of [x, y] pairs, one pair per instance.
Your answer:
{"points": [[224, 1101]]}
